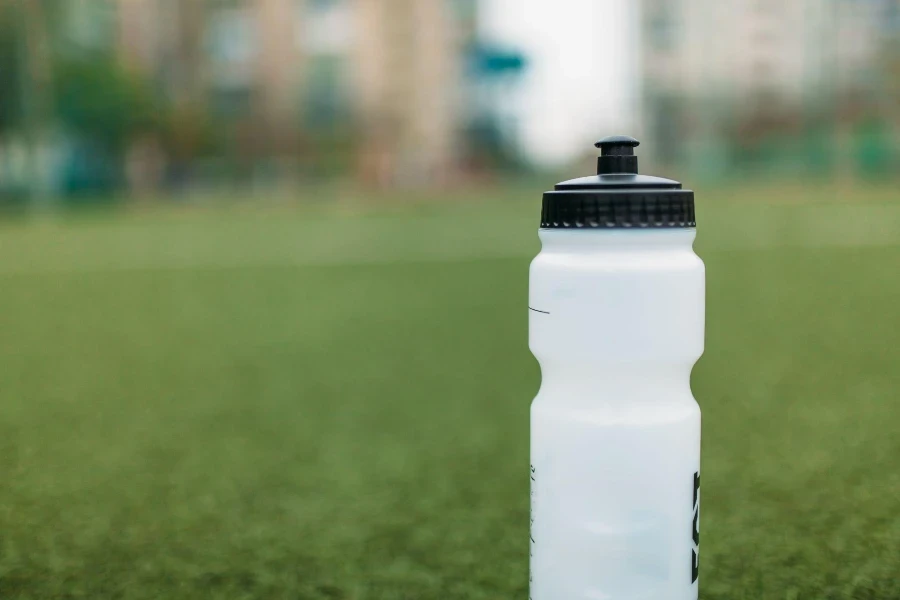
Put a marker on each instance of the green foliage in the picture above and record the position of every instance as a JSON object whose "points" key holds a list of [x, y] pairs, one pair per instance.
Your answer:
{"points": [[298, 405], [102, 101], [874, 147], [10, 70]]}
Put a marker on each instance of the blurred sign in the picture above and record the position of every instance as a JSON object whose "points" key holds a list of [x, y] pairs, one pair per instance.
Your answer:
{"points": [[488, 61]]}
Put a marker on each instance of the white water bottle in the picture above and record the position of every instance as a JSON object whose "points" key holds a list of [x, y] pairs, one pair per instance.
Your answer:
{"points": [[616, 322]]}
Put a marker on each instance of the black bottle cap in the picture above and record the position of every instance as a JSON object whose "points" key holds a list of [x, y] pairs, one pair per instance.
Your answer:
{"points": [[617, 197]]}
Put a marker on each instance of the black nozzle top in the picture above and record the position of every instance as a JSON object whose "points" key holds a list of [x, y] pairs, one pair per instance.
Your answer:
{"points": [[617, 197], [617, 155]]}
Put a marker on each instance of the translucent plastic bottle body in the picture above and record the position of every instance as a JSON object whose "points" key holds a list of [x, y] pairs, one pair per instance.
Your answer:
{"points": [[616, 322]]}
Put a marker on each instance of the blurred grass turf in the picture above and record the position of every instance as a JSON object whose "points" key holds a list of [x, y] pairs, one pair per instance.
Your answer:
{"points": [[286, 405]]}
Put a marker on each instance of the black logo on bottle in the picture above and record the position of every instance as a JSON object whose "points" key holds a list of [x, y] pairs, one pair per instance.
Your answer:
{"points": [[695, 531]]}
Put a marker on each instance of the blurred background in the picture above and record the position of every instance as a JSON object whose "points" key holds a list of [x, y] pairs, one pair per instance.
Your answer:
{"points": [[264, 276], [141, 98]]}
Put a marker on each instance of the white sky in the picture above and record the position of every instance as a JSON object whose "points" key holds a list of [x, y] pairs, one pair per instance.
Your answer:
{"points": [[580, 84]]}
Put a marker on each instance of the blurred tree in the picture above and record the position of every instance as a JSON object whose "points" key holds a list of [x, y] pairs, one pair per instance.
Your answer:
{"points": [[10, 71], [104, 106], [873, 146], [100, 100], [10, 92], [26, 75], [37, 21]]}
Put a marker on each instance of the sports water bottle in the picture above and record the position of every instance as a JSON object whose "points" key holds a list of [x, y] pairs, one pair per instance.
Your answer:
{"points": [[616, 322]]}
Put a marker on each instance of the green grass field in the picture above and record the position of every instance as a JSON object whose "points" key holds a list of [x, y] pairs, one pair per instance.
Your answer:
{"points": [[314, 404]]}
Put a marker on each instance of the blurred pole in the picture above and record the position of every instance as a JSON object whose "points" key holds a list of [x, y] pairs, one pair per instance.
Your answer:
{"points": [[277, 68], [36, 97], [188, 85], [191, 30]]}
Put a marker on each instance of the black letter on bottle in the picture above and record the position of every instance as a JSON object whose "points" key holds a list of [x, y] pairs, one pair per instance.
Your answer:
{"points": [[695, 531]]}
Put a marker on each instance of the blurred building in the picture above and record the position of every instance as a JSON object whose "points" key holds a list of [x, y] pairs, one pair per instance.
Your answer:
{"points": [[235, 60], [154, 93], [722, 79], [380, 79], [407, 75]]}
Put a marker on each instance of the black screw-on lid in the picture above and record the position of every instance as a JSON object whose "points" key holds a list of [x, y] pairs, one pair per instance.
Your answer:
{"points": [[617, 197]]}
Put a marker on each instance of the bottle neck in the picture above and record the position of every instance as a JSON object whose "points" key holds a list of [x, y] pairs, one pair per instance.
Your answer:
{"points": [[630, 240]]}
